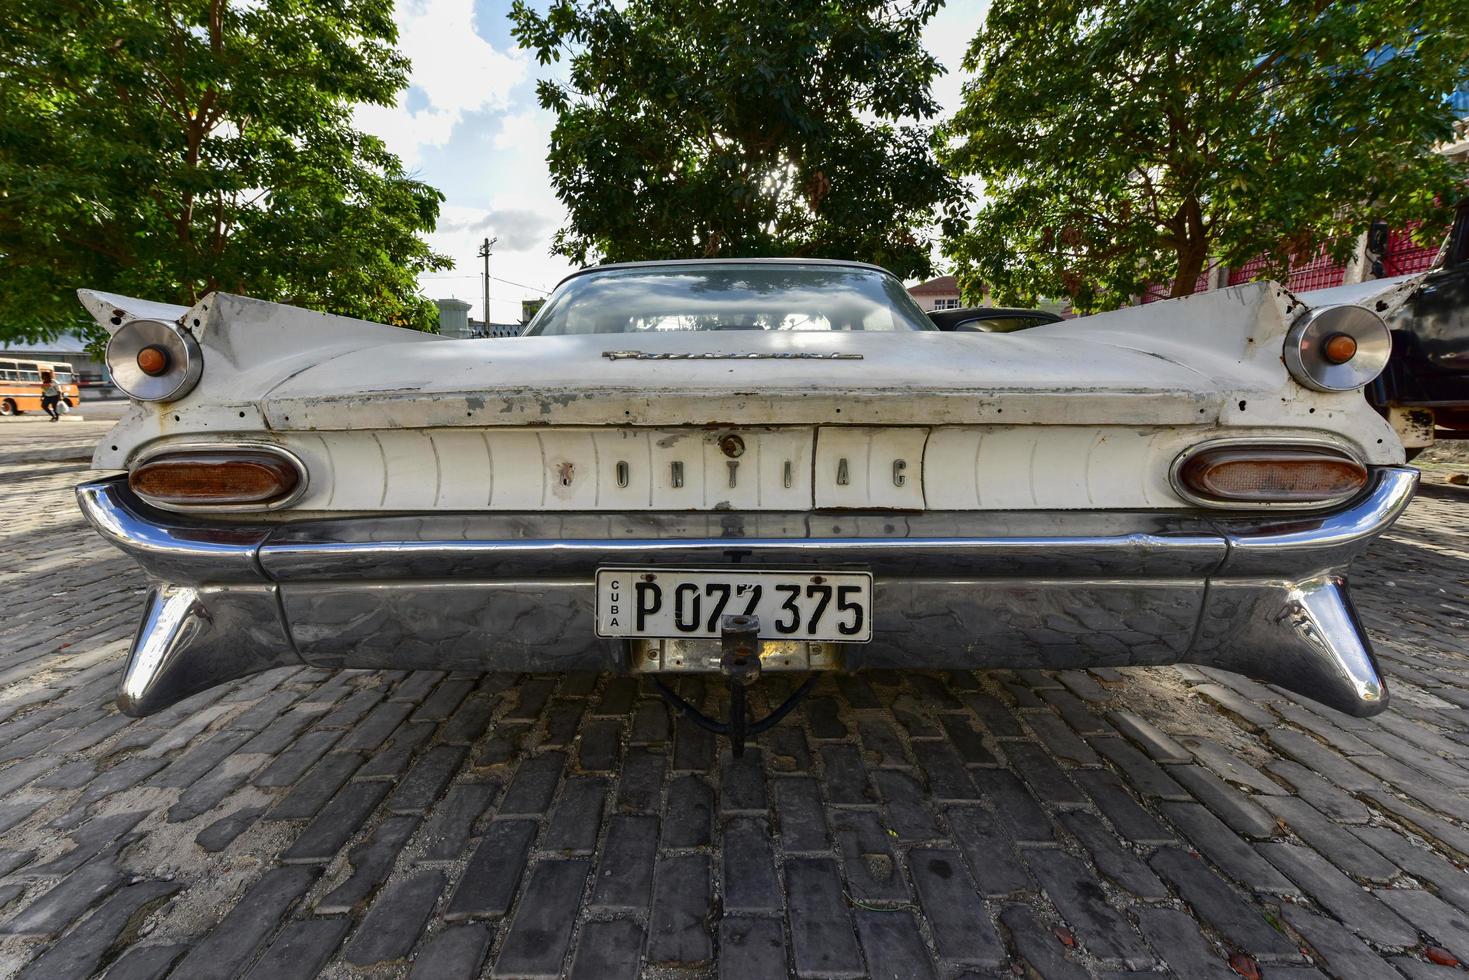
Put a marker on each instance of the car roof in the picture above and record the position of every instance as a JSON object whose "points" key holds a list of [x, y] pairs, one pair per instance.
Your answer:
{"points": [[734, 260]]}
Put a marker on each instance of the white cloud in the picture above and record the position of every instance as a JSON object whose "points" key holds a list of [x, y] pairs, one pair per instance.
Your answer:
{"points": [[455, 72], [516, 229]]}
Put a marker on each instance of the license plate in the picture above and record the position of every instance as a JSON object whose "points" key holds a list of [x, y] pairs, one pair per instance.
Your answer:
{"points": [[665, 602]]}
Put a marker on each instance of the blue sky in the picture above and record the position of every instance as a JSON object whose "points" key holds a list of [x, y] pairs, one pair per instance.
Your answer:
{"points": [[469, 125]]}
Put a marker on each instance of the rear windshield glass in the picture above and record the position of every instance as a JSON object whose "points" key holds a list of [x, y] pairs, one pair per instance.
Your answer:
{"points": [[730, 296]]}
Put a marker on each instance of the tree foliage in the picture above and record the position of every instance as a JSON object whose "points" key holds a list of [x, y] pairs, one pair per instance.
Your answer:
{"points": [[1123, 143], [741, 128], [167, 148]]}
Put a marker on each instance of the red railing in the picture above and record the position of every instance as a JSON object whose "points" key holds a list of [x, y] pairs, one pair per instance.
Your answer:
{"points": [[1403, 256], [1159, 291], [1319, 273]]}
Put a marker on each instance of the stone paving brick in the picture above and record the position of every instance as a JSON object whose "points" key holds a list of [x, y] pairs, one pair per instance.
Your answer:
{"points": [[1143, 773], [450, 824], [640, 783], [742, 789], [905, 806], [609, 949], [427, 778], [51, 913], [678, 925], [1445, 925], [300, 950], [1045, 778], [748, 881], [454, 951], [843, 776], [81, 951], [1323, 795], [872, 870], [540, 932], [1218, 905], [576, 818], [1117, 805], [231, 944], [962, 932], [992, 858], [1124, 868], [996, 718], [146, 962], [1428, 825], [487, 887], [892, 944], [1331, 841], [1177, 935], [800, 815], [534, 784], [1148, 737], [1035, 944], [1335, 947], [1427, 866], [1061, 740], [1023, 816], [1229, 701], [1215, 841], [391, 927], [335, 824], [90, 840], [390, 760], [1101, 929], [688, 813], [320, 784], [297, 758], [371, 859], [1242, 813], [967, 740], [822, 941], [1337, 893], [625, 870], [750, 947], [693, 747]]}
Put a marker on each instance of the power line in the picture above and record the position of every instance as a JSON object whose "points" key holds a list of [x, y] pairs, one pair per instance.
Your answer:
{"points": [[507, 282]]}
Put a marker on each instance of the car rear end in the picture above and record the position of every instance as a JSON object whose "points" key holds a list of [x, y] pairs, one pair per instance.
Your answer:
{"points": [[1171, 484]]}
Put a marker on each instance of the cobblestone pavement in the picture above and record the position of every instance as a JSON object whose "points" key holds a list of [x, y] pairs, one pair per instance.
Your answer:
{"points": [[391, 824]]}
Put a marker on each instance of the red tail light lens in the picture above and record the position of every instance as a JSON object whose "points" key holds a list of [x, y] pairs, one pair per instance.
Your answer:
{"points": [[215, 477], [1268, 475]]}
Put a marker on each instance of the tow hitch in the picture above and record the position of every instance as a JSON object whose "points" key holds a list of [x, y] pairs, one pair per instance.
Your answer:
{"points": [[739, 663]]}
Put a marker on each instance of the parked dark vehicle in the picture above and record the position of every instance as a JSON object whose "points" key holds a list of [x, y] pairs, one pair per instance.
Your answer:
{"points": [[1425, 388], [990, 319]]}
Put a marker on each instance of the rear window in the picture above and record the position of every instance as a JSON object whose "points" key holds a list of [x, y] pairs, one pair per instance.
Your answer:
{"points": [[730, 297]]}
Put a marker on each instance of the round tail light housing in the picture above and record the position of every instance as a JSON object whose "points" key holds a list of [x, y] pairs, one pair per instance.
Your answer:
{"points": [[1248, 474], [197, 479], [154, 361], [1337, 348]]}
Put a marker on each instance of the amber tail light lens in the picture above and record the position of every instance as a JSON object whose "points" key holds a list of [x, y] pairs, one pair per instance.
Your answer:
{"points": [[215, 477], [1267, 475]]}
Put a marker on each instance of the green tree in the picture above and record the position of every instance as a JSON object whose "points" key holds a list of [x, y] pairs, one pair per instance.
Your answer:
{"points": [[1123, 143], [167, 148], [741, 128]]}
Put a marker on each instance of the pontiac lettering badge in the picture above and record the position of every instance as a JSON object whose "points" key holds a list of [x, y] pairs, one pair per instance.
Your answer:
{"points": [[639, 355]]}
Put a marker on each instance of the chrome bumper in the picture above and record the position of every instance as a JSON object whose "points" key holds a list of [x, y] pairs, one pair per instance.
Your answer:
{"points": [[1264, 595]]}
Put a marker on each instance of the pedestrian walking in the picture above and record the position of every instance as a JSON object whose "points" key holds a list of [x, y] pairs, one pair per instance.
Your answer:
{"points": [[50, 395]]}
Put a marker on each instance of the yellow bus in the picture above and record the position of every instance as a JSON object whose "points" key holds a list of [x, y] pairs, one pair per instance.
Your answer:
{"points": [[20, 385]]}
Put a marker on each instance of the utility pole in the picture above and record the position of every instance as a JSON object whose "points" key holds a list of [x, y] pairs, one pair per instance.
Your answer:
{"points": [[484, 253]]}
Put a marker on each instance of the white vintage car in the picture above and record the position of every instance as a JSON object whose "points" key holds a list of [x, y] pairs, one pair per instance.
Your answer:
{"points": [[729, 466]]}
